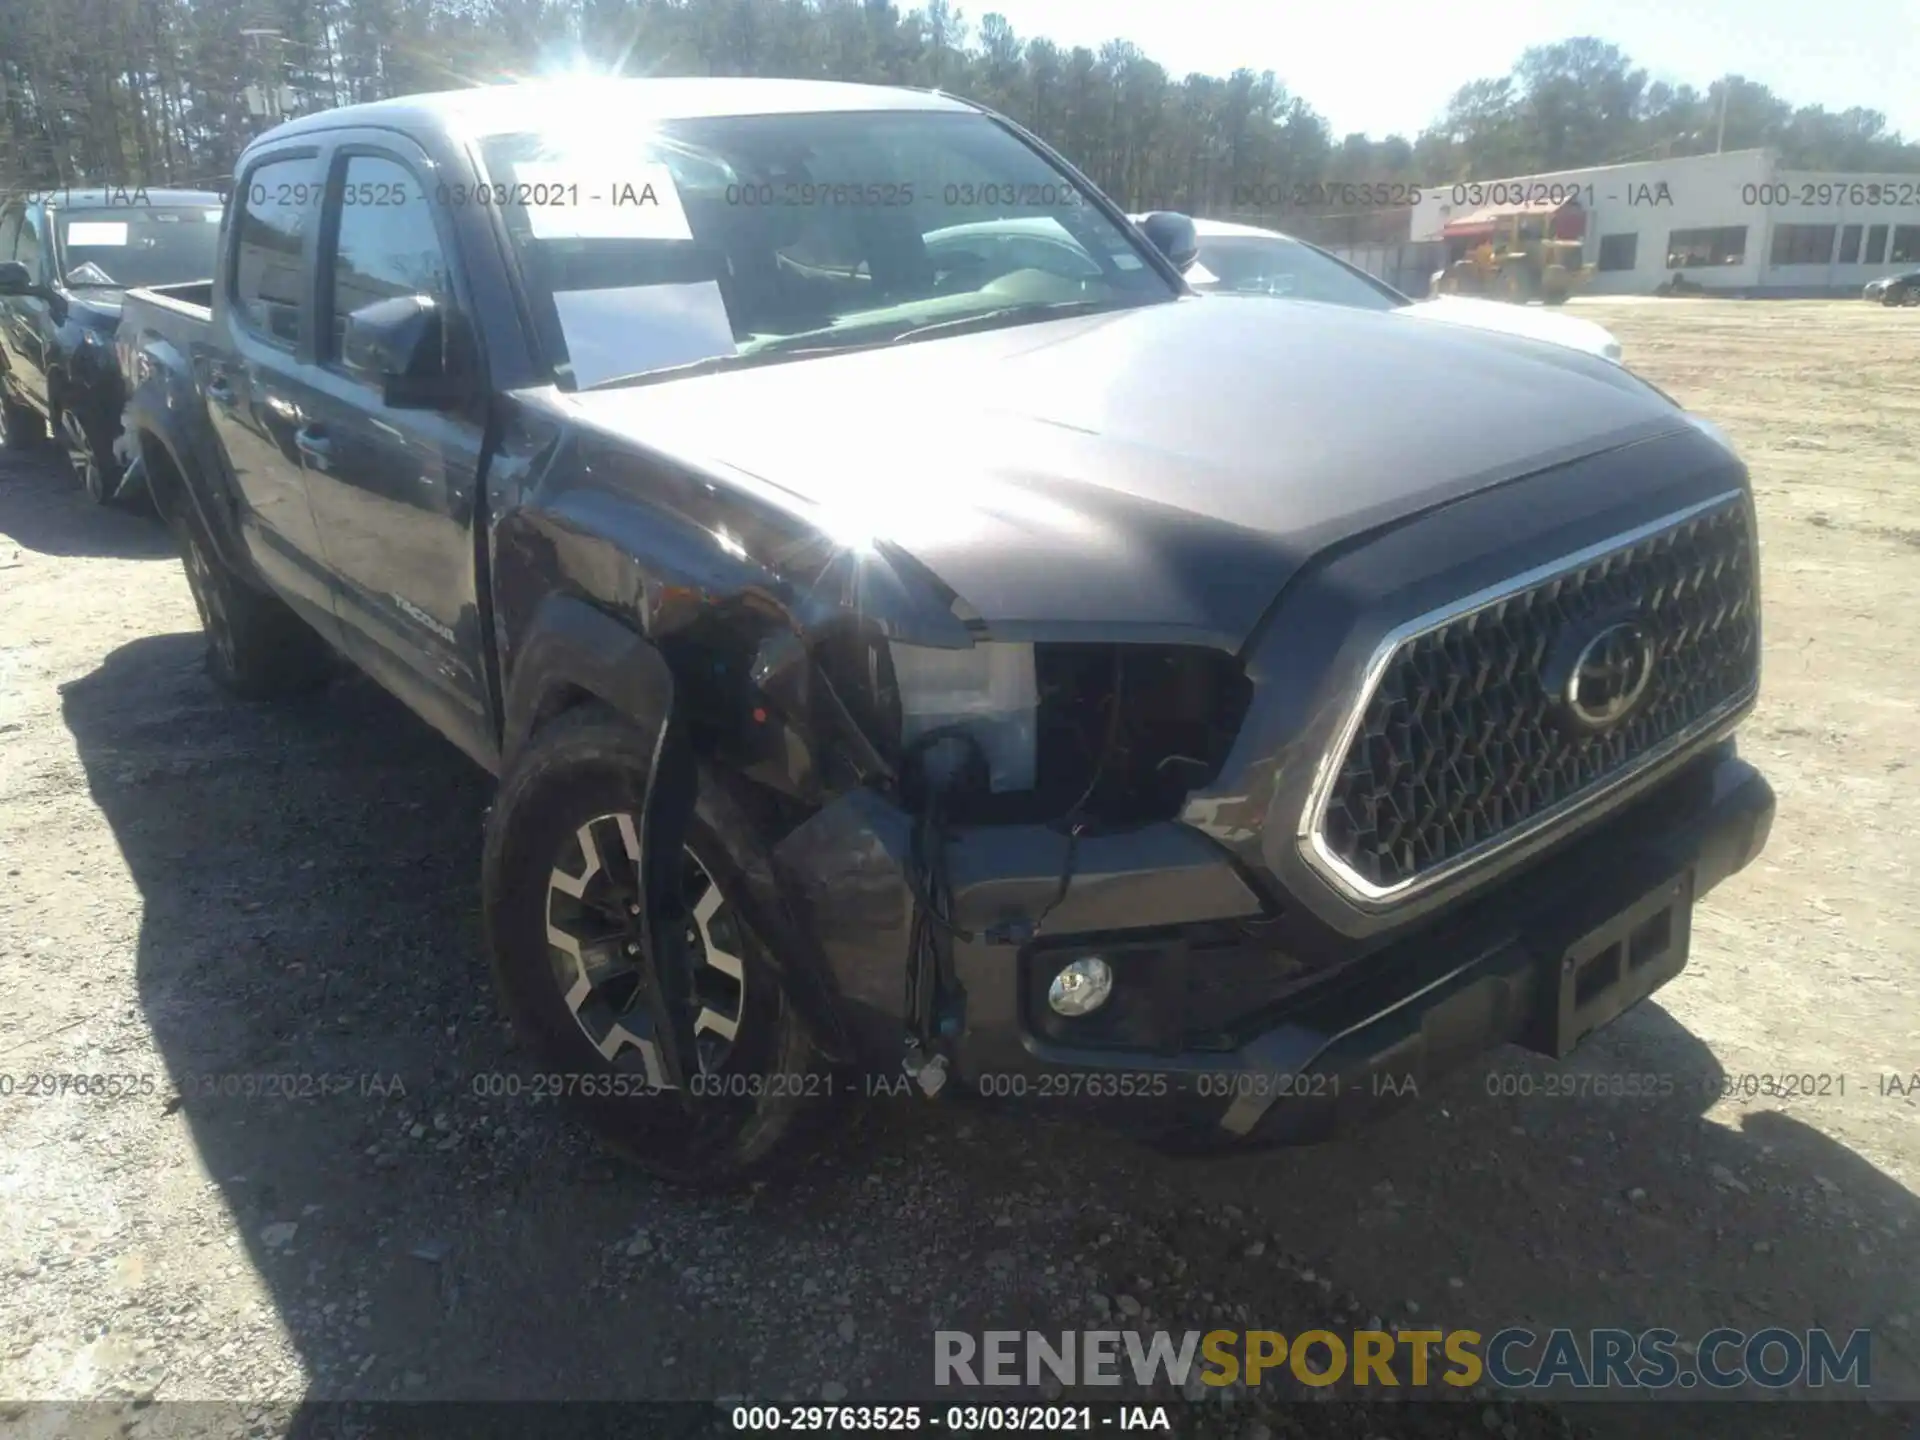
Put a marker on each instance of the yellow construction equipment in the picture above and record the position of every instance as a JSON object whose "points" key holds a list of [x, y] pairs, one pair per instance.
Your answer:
{"points": [[1518, 255]]}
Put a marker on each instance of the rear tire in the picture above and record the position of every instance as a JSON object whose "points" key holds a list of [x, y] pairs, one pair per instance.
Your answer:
{"points": [[559, 883], [20, 428], [256, 647]]}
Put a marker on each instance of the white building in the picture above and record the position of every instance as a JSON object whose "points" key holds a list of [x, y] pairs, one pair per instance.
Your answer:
{"points": [[1735, 222]]}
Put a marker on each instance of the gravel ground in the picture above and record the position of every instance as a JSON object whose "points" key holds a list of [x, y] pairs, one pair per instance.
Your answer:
{"points": [[195, 888]]}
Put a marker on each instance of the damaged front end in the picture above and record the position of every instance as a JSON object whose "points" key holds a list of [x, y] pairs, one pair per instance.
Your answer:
{"points": [[944, 810], [1010, 793], [939, 804]]}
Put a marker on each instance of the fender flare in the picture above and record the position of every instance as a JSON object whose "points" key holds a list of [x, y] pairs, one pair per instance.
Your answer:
{"points": [[569, 649], [571, 652], [152, 426]]}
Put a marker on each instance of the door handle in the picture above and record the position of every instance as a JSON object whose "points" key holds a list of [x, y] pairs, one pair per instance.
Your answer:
{"points": [[312, 442], [219, 390]]}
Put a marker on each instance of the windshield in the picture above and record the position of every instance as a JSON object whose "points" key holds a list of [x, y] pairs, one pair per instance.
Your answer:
{"points": [[125, 245], [1275, 265], [721, 240]]}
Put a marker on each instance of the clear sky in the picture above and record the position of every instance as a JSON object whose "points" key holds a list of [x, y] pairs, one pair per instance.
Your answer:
{"points": [[1382, 66]]}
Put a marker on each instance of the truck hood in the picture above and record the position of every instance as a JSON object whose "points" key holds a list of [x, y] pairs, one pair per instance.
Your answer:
{"points": [[1154, 472], [1551, 326]]}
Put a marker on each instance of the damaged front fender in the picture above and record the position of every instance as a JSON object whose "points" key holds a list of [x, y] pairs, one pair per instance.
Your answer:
{"points": [[744, 598], [729, 631]]}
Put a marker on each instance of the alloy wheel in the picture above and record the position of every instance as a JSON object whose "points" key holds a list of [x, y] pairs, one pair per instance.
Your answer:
{"points": [[595, 942], [80, 457]]}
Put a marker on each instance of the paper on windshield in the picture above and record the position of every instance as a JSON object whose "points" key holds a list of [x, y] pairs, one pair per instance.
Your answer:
{"points": [[642, 327], [632, 202], [97, 232]]}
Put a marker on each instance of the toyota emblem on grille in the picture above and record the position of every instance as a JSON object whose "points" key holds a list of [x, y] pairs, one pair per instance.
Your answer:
{"points": [[1608, 677]]}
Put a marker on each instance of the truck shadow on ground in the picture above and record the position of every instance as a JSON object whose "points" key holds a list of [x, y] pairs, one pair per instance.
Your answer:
{"points": [[309, 967], [42, 510]]}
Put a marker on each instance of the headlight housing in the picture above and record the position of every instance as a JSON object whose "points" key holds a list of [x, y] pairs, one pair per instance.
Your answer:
{"points": [[986, 690]]}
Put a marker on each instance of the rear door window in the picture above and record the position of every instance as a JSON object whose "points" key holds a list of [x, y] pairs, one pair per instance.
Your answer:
{"points": [[280, 201]]}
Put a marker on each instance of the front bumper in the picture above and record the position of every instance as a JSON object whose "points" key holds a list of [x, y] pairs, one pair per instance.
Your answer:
{"points": [[1218, 1028], [1368, 1038]]}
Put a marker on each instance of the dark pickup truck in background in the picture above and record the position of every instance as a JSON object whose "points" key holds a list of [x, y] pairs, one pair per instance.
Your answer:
{"points": [[1000, 665], [67, 257]]}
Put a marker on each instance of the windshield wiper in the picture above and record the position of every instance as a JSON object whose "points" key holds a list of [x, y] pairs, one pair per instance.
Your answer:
{"points": [[808, 342], [1013, 315], [739, 360]]}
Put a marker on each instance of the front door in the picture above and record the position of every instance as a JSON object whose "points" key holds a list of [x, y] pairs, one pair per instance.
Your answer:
{"points": [[29, 323], [10, 218], [394, 490]]}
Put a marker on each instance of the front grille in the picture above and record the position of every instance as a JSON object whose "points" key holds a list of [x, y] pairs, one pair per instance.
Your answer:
{"points": [[1461, 744]]}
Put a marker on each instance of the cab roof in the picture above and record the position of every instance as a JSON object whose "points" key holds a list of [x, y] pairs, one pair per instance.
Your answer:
{"points": [[541, 104]]}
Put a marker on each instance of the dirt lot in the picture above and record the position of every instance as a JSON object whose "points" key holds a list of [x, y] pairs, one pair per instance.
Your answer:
{"points": [[198, 888]]}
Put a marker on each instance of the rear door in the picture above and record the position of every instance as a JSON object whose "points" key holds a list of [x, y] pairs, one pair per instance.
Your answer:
{"points": [[249, 373], [393, 489]]}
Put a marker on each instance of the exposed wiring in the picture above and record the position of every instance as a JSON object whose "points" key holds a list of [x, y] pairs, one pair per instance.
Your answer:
{"points": [[1072, 819], [931, 981], [1106, 747], [932, 809]]}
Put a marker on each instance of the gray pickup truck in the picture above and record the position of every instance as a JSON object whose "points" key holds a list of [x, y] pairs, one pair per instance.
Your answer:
{"points": [[986, 665]]}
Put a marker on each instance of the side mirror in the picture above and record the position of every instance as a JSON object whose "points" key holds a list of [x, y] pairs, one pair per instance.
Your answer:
{"points": [[1173, 236], [15, 278], [400, 344]]}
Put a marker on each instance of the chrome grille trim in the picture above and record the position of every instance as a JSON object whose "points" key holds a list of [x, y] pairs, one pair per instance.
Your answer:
{"points": [[1708, 728]]}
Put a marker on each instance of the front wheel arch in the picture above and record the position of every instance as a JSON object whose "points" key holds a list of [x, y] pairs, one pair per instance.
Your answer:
{"points": [[588, 759], [572, 655]]}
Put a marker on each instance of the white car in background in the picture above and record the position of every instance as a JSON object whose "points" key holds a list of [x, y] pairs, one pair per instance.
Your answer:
{"points": [[1245, 260]]}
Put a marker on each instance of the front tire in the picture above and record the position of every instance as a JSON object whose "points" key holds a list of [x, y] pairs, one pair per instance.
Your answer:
{"points": [[256, 647], [561, 890], [94, 474]]}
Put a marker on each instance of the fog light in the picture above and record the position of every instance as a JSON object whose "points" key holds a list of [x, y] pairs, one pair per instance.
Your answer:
{"points": [[1081, 987]]}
